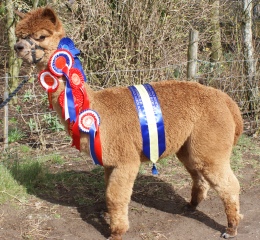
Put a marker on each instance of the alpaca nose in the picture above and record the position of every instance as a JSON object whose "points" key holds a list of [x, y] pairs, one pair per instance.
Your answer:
{"points": [[18, 47]]}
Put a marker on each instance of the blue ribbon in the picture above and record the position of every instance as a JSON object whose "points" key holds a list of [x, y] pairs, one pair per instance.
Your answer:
{"points": [[143, 119], [158, 116], [92, 134], [70, 101], [68, 44]]}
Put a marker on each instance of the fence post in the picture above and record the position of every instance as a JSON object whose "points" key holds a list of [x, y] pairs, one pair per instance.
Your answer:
{"points": [[6, 113], [192, 54]]}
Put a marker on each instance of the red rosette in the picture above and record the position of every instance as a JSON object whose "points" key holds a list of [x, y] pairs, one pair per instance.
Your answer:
{"points": [[61, 98], [60, 60], [49, 82], [76, 78], [86, 119], [78, 97]]}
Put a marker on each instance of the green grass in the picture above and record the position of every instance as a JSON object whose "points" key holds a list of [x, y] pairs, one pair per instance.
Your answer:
{"points": [[245, 152], [9, 187], [26, 172], [15, 135], [46, 177]]}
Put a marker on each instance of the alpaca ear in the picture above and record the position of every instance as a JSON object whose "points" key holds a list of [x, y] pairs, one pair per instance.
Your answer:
{"points": [[20, 14], [50, 14]]}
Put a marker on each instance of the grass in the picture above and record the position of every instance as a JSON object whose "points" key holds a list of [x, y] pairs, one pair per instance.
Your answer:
{"points": [[15, 135], [246, 152], [46, 177], [9, 187]]}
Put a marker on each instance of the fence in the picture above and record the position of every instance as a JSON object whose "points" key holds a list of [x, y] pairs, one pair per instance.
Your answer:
{"points": [[32, 125]]}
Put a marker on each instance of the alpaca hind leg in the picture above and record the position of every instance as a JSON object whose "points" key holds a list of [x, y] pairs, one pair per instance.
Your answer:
{"points": [[200, 185], [199, 189], [223, 180], [118, 195]]}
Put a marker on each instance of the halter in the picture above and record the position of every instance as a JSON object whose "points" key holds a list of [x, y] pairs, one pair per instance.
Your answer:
{"points": [[33, 50]]}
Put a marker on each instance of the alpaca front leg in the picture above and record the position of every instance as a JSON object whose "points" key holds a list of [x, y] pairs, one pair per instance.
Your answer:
{"points": [[118, 196]]}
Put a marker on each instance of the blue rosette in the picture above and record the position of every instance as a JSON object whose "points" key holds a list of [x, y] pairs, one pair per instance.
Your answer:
{"points": [[67, 44]]}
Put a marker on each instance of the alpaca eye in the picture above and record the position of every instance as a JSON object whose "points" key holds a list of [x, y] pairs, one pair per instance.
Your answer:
{"points": [[42, 38]]}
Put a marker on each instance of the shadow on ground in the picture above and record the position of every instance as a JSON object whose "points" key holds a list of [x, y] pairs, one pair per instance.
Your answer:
{"points": [[86, 191]]}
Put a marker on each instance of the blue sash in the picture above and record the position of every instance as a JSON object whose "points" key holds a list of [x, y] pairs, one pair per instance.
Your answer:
{"points": [[151, 120]]}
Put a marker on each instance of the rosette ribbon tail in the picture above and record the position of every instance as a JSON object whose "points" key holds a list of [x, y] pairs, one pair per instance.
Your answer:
{"points": [[49, 93], [70, 111], [94, 145], [76, 135]]}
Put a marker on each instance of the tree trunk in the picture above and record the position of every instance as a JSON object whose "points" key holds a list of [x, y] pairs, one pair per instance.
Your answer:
{"points": [[250, 68], [14, 63], [216, 48]]}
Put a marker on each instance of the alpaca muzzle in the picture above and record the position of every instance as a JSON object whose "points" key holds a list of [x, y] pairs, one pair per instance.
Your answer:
{"points": [[19, 47]]}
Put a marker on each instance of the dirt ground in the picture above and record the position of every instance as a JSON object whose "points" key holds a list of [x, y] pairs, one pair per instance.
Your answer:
{"points": [[155, 212]]}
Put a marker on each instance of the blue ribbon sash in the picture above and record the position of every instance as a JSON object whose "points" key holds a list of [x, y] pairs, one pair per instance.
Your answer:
{"points": [[151, 120]]}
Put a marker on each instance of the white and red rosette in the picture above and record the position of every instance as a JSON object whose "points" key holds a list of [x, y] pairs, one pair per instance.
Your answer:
{"points": [[59, 60], [86, 119], [76, 78], [49, 82]]}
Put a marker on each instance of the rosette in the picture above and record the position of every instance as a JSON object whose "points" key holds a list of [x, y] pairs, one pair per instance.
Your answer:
{"points": [[49, 82], [86, 120], [76, 78], [59, 60], [68, 44], [78, 97]]}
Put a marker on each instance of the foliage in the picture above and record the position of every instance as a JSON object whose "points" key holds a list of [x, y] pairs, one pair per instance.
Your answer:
{"points": [[15, 135], [120, 35], [27, 95], [52, 122], [32, 124]]}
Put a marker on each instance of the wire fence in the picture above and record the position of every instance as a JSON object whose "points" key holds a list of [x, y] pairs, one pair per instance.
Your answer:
{"points": [[32, 125]]}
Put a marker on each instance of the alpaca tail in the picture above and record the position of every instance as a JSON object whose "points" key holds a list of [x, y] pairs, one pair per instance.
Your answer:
{"points": [[235, 111]]}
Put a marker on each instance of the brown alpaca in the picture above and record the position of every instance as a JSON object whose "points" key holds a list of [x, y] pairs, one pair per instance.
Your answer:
{"points": [[201, 126]]}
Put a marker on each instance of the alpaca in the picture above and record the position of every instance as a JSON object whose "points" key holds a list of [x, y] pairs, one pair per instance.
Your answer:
{"points": [[199, 124]]}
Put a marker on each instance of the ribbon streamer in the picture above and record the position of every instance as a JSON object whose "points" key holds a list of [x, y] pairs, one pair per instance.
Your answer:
{"points": [[94, 145]]}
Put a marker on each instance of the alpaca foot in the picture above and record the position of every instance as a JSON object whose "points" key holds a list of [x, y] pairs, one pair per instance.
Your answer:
{"points": [[189, 207], [106, 216], [226, 235], [230, 232], [115, 237]]}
